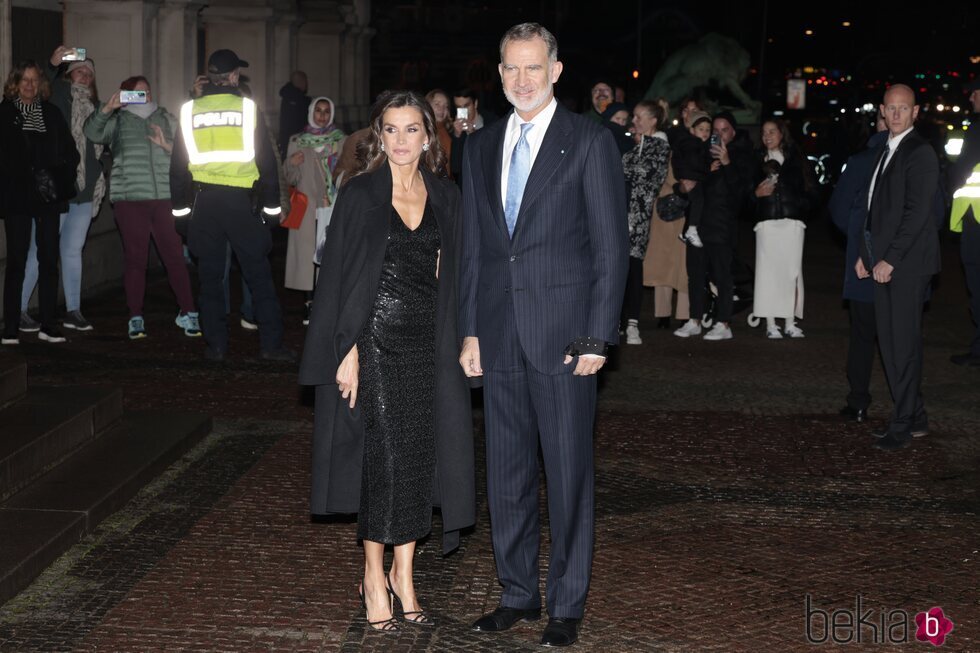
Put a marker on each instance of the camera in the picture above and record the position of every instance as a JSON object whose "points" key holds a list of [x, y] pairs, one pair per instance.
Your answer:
{"points": [[74, 54], [132, 97]]}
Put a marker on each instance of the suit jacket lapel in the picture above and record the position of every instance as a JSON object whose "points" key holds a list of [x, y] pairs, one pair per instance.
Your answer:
{"points": [[557, 141], [493, 154]]}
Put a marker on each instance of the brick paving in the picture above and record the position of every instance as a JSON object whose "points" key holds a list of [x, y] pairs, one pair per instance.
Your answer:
{"points": [[727, 492]]}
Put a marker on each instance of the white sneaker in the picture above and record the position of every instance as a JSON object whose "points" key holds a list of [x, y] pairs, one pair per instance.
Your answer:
{"points": [[720, 331], [773, 333], [794, 332], [633, 335], [690, 328]]}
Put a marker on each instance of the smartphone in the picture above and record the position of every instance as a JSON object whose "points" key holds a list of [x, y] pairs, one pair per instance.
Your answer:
{"points": [[714, 140], [462, 113], [74, 54], [132, 97]]}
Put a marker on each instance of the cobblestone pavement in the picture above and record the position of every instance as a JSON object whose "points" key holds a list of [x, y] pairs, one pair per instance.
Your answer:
{"points": [[728, 491]]}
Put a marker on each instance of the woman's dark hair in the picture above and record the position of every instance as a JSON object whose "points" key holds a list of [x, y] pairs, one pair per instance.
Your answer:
{"points": [[17, 73], [130, 83], [654, 109], [369, 153]]}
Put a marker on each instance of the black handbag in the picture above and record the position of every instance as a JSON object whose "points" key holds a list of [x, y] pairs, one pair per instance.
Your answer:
{"points": [[53, 185], [671, 207]]}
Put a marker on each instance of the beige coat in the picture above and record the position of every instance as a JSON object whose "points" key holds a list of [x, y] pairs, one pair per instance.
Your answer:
{"points": [[666, 261], [308, 178]]}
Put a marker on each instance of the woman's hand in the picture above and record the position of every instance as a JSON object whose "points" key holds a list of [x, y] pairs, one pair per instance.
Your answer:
{"points": [[765, 188], [157, 138], [58, 53], [297, 159], [112, 104], [347, 376]]}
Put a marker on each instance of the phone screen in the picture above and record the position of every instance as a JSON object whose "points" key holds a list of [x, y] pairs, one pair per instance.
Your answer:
{"points": [[462, 113], [132, 97], [74, 54]]}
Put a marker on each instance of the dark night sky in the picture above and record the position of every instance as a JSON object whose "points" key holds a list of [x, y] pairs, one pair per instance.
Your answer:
{"points": [[454, 43]]}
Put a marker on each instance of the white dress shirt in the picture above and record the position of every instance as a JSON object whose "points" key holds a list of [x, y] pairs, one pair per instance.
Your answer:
{"points": [[534, 137], [893, 143]]}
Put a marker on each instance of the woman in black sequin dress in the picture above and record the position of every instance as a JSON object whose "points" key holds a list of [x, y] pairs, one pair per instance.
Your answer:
{"points": [[383, 324]]}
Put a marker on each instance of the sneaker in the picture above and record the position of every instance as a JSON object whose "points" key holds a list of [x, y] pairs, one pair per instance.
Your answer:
{"points": [[28, 324], [52, 334], [306, 313], [190, 323], [249, 325], [75, 320], [690, 328], [633, 335], [720, 331], [9, 339], [281, 354], [773, 333], [136, 328], [794, 332]]}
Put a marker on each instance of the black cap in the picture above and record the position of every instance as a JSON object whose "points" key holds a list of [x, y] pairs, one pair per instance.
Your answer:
{"points": [[727, 115], [224, 61]]}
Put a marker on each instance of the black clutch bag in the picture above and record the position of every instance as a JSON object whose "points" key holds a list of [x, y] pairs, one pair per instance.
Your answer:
{"points": [[671, 207], [54, 184]]}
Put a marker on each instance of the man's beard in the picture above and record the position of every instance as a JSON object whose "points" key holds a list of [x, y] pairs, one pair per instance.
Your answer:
{"points": [[529, 105]]}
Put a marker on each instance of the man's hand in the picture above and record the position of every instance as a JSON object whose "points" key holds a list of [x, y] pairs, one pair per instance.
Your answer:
{"points": [[720, 152], [882, 271], [198, 86], [348, 374], [861, 271], [469, 358], [460, 126], [587, 364]]}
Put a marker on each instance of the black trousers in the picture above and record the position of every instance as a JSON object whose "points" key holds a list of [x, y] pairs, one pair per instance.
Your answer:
{"points": [[898, 316], [524, 408], [18, 232], [223, 216], [633, 301], [860, 353], [970, 255]]}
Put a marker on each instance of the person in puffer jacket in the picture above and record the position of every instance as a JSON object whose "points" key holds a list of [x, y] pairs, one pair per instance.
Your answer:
{"points": [[140, 136]]}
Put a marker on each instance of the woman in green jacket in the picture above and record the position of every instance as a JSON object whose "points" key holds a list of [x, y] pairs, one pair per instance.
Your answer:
{"points": [[140, 136]]}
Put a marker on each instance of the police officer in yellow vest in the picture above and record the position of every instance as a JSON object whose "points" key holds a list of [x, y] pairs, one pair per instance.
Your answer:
{"points": [[964, 179], [222, 166]]}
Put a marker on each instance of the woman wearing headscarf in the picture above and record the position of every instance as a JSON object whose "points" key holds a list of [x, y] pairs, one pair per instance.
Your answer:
{"points": [[36, 147], [311, 158], [75, 95], [141, 139]]}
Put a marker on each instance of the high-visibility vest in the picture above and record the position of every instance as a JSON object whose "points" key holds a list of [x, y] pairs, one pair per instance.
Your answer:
{"points": [[219, 134], [965, 198]]}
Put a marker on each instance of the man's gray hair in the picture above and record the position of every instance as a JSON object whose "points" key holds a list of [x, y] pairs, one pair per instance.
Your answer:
{"points": [[221, 79], [527, 32]]}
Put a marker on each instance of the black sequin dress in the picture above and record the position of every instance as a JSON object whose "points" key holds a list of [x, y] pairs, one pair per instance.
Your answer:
{"points": [[396, 353]]}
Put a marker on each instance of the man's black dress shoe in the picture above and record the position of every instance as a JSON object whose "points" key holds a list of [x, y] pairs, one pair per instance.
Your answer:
{"points": [[560, 632], [965, 359], [917, 431], [503, 618], [857, 414], [893, 441]]}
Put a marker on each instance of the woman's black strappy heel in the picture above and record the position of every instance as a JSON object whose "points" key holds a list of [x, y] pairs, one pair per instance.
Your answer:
{"points": [[415, 617], [389, 625]]}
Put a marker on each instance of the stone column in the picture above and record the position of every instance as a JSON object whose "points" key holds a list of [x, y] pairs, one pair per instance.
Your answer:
{"points": [[6, 45]]}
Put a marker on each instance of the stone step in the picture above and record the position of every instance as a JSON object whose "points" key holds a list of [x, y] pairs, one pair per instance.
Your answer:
{"points": [[44, 519], [13, 378], [46, 425]]}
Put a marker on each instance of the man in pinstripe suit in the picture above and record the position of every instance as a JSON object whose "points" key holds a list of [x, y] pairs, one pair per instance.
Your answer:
{"points": [[545, 254]]}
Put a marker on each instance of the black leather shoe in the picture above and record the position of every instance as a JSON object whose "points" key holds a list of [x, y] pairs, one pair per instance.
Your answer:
{"points": [[965, 359], [503, 618], [560, 632], [917, 431], [893, 441], [857, 414], [282, 354]]}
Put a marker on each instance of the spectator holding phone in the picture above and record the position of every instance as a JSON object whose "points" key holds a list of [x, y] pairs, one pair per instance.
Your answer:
{"points": [[75, 95], [140, 134]]}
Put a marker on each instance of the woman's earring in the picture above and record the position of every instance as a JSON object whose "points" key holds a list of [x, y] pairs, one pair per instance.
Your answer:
{"points": [[382, 147], [425, 147]]}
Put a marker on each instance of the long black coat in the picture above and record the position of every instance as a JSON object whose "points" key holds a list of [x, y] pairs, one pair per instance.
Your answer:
{"points": [[345, 294]]}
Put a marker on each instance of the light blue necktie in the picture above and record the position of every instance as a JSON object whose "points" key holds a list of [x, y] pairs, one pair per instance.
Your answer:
{"points": [[520, 167]]}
